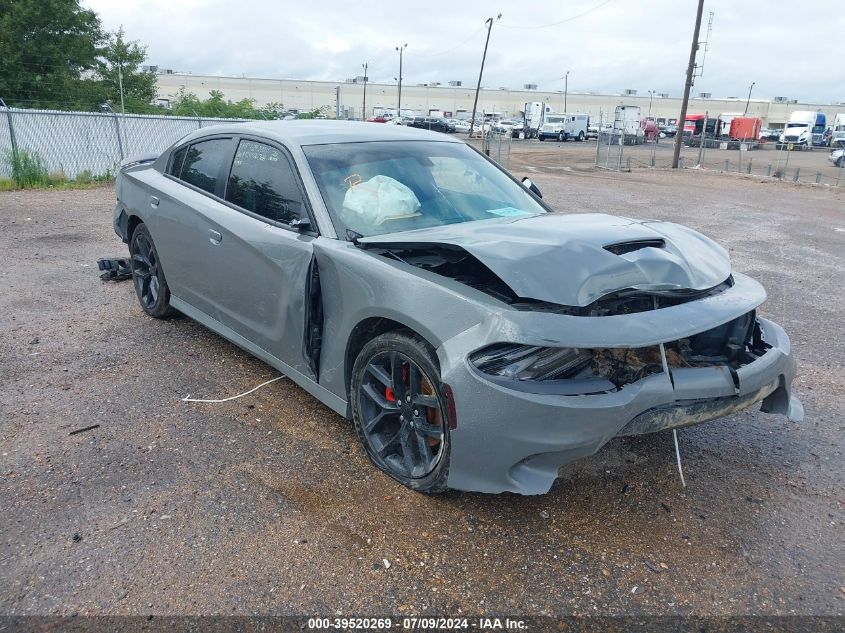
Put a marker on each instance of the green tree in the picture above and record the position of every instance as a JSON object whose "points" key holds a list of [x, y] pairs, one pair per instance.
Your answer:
{"points": [[120, 63], [186, 103], [46, 48]]}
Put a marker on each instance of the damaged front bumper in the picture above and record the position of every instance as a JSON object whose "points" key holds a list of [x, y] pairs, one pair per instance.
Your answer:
{"points": [[512, 440]]}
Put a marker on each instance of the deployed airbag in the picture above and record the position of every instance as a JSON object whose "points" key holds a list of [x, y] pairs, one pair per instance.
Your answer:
{"points": [[378, 199]]}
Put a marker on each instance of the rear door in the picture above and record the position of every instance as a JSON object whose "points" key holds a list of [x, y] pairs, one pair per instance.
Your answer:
{"points": [[185, 195]]}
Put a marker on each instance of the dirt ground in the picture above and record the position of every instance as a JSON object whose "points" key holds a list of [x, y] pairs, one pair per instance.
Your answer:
{"points": [[267, 504]]}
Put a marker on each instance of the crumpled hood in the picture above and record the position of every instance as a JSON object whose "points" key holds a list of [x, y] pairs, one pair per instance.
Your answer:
{"points": [[561, 258]]}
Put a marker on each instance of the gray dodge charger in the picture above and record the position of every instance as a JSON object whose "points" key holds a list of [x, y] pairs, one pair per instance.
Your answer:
{"points": [[477, 339]]}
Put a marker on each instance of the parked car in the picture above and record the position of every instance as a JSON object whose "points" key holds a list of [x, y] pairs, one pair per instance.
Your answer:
{"points": [[592, 131], [461, 125], [434, 123], [414, 286], [381, 118], [506, 125], [837, 154], [668, 130]]}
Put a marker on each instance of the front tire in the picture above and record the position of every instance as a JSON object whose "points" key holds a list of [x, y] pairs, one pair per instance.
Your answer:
{"points": [[147, 276], [399, 409]]}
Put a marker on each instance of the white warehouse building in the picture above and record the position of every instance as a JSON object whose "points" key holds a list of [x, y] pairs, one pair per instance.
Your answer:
{"points": [[456, 100]]}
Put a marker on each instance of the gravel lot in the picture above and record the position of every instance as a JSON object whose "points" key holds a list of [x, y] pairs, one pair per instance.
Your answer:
{"points": [[268, 505]]}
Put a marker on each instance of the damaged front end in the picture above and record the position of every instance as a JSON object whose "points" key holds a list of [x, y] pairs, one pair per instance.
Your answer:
{"points": [[709, 362], [559, 403]]}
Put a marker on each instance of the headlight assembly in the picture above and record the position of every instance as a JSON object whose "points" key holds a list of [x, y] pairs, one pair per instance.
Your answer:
{"points": [[526, 362]]}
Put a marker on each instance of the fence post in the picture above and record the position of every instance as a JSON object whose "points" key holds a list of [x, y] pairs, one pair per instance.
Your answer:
{"points": [[797, 171], [119, 139], [727, 165], [818, 177], [769, 170], [748, 169], [12, 138]]}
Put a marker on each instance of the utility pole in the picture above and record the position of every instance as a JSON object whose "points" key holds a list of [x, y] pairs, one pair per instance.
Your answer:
{"points": [[399, 106], [748, 101], [650, 99], [337, 112], [365, 65], [120, 83], [489, 23], [565, 89], [679, 136]]}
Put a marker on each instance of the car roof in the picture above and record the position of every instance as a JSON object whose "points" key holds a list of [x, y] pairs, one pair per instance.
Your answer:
{"points": [[320, 132]]}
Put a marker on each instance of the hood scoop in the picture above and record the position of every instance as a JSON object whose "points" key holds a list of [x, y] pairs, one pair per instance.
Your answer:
{"points": [[621, 248]]}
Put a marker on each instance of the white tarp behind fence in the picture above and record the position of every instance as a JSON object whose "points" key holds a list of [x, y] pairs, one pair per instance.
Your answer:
{"points": [[71, 142]]}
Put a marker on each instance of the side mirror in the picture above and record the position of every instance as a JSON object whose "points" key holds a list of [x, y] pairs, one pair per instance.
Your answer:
{"points": [[526, 182], [301, 224]]}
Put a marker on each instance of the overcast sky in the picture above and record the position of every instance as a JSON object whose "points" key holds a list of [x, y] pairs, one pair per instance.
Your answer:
{"points": [[789, 48]]}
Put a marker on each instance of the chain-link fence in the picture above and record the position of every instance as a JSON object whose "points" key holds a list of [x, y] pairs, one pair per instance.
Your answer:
{"points": [[497, 145], [818, 165], [73, 142], [612, 139]]}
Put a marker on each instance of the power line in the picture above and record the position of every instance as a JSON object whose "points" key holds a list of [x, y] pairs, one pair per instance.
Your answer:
{"points": [[457, 46], [551, 24]]}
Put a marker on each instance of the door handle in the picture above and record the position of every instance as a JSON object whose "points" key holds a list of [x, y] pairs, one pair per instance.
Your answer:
{"points": [[215, 237], [154, 202]]}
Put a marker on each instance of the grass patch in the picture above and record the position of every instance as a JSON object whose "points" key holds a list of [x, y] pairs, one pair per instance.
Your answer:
{"points": [[30, 172], [28, 169]]}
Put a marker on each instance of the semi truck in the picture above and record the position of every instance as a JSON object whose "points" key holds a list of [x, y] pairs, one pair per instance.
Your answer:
{"points": [[565, 126], [838, 130], [534, 113], [694, 125], [818, 130], [801, 130]]}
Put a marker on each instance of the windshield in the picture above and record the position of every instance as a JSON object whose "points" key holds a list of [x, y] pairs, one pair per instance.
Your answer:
{"points": [[383, 187], [796, 125]]}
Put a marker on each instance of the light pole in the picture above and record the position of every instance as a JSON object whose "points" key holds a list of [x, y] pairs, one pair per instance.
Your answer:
{"points": [[565, 89], [748, 101], [120, 84], [365, 65], [489, 23], [650, 99], [400, 49]]}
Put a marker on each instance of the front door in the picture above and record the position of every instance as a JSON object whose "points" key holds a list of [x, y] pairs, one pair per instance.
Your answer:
{"points": [[257, 263]]}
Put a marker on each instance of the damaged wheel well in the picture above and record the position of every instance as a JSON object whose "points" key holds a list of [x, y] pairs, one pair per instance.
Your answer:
{"points": [[366, 331], [131, 224]]}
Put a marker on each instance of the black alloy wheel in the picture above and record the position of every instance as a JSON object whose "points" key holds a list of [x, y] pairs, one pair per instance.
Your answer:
{"points": [[399, 410], [147, 275]]}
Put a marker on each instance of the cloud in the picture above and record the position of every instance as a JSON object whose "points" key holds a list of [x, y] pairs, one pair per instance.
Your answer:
{"points": [[639, 44]]}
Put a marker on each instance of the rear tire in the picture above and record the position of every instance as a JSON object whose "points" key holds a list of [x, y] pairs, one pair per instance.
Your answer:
{"points": [[147, 275], [581, 136], [400, 410]]}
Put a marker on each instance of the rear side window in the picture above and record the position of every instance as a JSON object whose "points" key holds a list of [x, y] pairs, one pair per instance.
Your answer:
{"points": [[176, 160], [263, 181], [203, 162]]}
